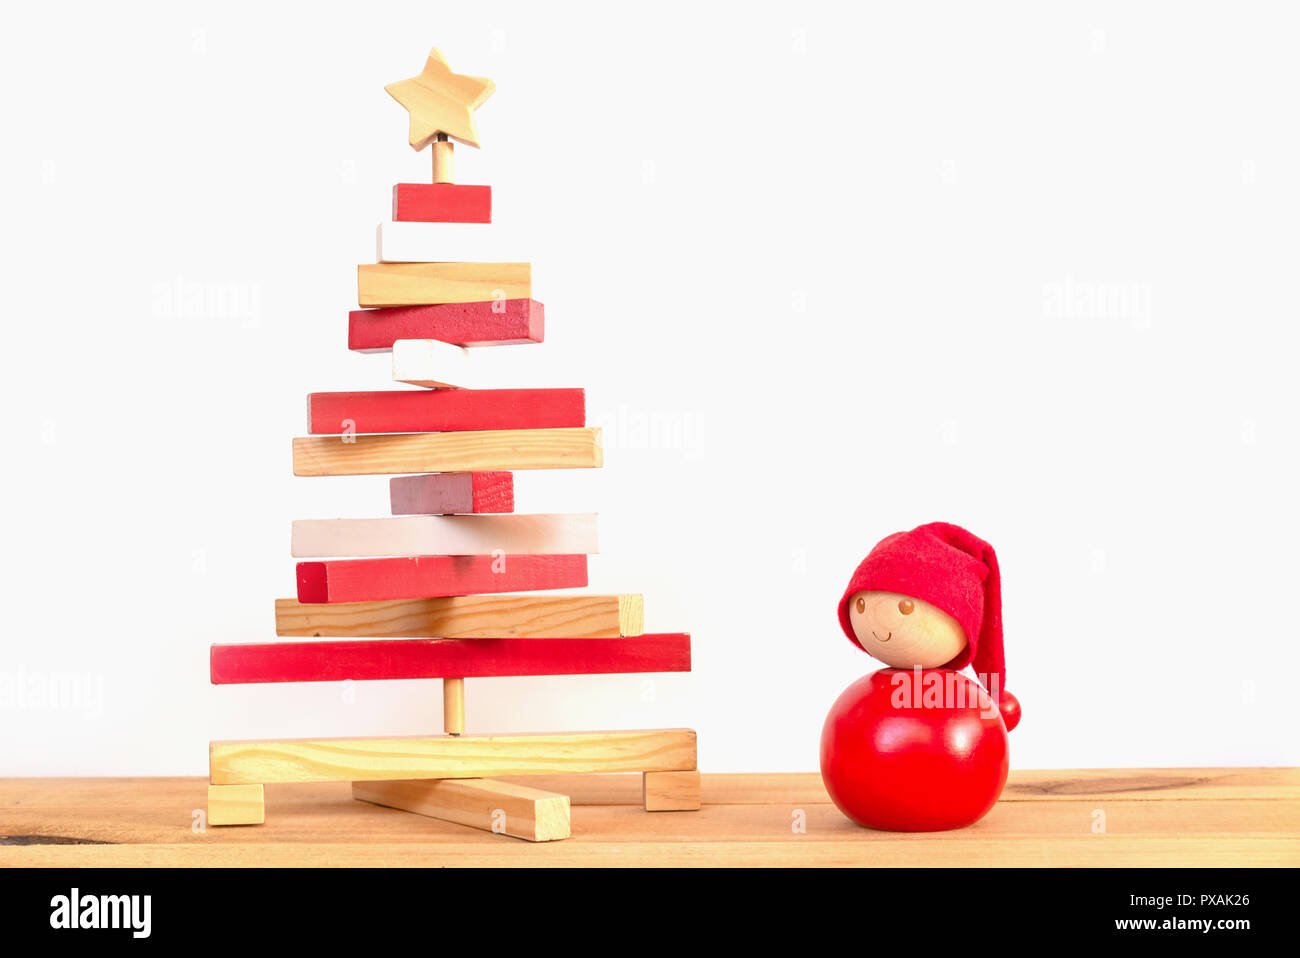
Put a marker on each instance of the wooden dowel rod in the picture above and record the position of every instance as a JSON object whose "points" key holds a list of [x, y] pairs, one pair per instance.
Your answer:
{"points": [[443, 159], [453, 706]]}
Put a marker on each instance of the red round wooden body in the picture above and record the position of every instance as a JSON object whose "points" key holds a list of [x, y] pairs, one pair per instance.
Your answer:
{"points": [[899, 756]]}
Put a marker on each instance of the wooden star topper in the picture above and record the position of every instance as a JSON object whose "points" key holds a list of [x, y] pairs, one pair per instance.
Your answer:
{"points": [[440, 101]]}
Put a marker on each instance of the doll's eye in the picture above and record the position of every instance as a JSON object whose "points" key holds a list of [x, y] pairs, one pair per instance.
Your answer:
{"points": [[861, 605], [906, 606]]}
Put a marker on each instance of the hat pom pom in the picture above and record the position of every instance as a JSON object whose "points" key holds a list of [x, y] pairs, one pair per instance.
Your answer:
{"points": [[1009, 706]]}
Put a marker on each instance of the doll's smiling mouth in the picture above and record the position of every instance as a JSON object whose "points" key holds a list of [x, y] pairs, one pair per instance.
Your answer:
{"points": [[879, 639]]}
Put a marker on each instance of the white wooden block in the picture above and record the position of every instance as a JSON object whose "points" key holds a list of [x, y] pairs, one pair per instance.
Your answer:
{"points": [[440, 243], [513, 534], [431, 363]]}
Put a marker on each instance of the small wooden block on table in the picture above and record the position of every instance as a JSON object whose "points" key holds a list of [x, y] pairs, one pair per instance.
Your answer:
{"points": [[446, 535], [444, 410], [417, 577], [445, 756], [670, 791], [419, 284], [502, 449], [500, 807], [236, 805], [442, 203], [487, 323], [452, 493], [527, 616]]}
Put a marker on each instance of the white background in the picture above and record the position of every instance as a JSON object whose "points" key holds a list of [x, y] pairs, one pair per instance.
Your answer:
{"points": [[827, 271]]}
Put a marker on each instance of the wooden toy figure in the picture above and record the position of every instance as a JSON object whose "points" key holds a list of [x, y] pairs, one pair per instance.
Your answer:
{"points": [[919, 746]]}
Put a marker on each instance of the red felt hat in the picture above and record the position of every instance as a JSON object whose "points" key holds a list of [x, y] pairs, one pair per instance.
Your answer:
{"points": [[956, 571]]}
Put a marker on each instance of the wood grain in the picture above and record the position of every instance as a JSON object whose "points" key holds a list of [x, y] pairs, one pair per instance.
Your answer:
{"points": [[440, 102], [452, 493], [372, 660], [504, 450], [527, 616], [465, 756], [670, 791], [416, 577], [515, 533], [1216, 786], [1023, 785], [236, 805], [1180, 817], [494, 806], [926, 852], [421, 284], [1153, 784]]}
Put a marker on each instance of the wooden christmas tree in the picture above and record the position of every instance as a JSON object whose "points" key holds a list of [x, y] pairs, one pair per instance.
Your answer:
{"points": [[451, 586]]}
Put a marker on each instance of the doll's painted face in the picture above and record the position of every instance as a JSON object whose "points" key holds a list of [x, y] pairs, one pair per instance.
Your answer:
{"points": [[904, 632]]}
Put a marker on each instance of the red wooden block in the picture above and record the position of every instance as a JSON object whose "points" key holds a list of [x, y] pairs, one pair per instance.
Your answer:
{"points": [[452, 493], [422, 577], [489, 323], [442, 203], [370, 659], [444, 410]]}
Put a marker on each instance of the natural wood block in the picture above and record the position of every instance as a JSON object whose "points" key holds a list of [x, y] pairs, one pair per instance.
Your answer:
{"points": [[487, 323], [442, 203], [415, 577], [418, 284], [444, 756], [444, 410], [376, 660], [447, 535], [452, 493], [501, 449], [433, 364], [670, 791], [526, 616], [407, 242], [494, 806], [236, 805], [726, 788], [440, 102]]}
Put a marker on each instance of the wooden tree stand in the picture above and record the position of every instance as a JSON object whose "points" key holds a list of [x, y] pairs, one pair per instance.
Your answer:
{"points": [[446, 776], [415, 596]]}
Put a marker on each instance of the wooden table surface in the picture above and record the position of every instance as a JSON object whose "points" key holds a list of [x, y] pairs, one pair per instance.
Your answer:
{"points": [[1192, 817]]}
